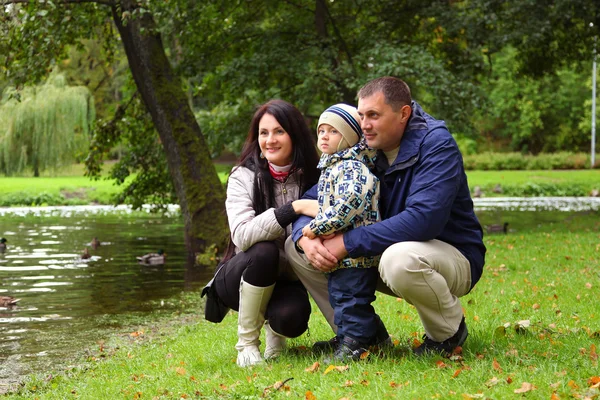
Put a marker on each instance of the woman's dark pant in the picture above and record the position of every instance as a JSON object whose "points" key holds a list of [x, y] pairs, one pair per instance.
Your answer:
{"points": [[288, 310]]}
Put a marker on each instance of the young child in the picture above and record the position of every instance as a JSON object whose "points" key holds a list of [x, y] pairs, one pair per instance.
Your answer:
{"points": [[348, 194]]}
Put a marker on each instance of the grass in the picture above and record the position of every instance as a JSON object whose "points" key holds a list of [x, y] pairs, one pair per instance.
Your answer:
{"points": [[71, 187], [533, 320], [484, 178]]}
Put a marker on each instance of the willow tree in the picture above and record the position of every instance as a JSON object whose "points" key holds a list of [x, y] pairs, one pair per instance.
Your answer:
{"points": [[46, 128]]}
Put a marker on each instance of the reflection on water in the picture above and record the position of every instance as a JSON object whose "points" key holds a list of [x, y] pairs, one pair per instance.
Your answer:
{"points": [[67, 303]]}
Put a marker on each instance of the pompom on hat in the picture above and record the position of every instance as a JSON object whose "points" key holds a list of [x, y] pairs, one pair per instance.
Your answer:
{"points": [[344, 119]]}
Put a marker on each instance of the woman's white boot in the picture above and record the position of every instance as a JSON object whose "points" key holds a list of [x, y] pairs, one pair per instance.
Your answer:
{"points": [[275, 343], [251, 316]]}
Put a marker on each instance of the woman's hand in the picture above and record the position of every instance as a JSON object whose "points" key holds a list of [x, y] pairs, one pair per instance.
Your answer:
{"points": [[306, 207], [320, 258]]}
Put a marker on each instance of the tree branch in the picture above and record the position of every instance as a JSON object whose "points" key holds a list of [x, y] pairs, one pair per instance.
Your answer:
{"points": [[103, 2]]}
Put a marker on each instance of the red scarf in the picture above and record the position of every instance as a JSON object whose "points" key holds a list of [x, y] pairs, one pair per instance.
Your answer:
{"points": [[280, 176]]}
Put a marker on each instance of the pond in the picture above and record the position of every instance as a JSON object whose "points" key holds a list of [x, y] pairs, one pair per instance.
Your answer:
{"points": [[68, 303]]}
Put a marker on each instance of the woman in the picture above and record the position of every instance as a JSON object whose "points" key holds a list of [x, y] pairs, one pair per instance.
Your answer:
{"points": [[278, 163]]}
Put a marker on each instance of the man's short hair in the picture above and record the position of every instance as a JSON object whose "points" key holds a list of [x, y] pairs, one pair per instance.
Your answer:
{"points": [[395, 91]]}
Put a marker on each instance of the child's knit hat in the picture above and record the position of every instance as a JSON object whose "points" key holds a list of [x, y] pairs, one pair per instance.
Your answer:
{"points": [[344, 119]]}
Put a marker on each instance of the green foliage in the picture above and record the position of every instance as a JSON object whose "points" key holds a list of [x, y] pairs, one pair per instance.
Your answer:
{"points": [[143, 159], [549, 36], [541, 114], [47, 128], [314, 54], [544, 190], [51, 27], [516, 161]]}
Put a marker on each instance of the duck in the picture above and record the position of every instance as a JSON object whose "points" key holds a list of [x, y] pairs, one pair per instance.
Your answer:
{"points": [[8, 301], [496, 228], [157, 258], [86, 254], [3, 245], [95, 243], [477, 192]]}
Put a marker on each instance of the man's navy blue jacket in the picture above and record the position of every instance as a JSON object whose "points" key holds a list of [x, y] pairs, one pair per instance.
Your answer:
{"points": [[424, 196]]}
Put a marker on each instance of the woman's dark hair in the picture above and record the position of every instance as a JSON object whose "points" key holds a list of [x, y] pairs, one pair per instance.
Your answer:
{"points": [[304, 155]]}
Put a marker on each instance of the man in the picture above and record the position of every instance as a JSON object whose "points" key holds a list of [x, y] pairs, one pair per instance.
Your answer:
{"points": [[430, 240]]}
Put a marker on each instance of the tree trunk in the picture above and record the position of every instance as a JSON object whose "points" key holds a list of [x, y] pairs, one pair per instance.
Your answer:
{"points": [[200, 193]]}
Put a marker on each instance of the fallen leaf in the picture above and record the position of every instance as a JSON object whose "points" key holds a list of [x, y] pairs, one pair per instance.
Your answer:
{"points": [[395, 385], [348, 383], [594, 380], [457, 373], [440, 364], [496, 365], [472, 396], [588, 285], [180, 371], [536, 306], [593, 354], [492, 382], [313, 368], [554, 396], [309, 395], [525, 387], [340, 368], [364, 382]]}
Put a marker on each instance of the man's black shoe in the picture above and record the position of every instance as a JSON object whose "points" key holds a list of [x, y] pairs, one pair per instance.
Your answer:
{"points": [[447, 346], [348, 350], [380, 342], [325, 346]]}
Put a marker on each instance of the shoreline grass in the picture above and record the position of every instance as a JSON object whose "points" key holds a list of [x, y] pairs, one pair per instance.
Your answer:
{"points": [[71, 187], [533, 322]]}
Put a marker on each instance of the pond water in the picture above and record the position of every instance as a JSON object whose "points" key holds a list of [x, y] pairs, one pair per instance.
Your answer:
{"points": [[68, 304]]}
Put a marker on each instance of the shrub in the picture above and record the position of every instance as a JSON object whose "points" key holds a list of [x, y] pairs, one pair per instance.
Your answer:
{"points": [[518, 161]]}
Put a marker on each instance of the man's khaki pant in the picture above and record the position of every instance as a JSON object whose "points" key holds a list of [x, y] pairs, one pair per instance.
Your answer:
{"points": [[429, 275]]}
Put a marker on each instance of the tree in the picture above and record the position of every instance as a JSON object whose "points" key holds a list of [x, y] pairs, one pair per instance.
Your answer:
{"points": [[47, 128], [45, 29], [315, 53]]}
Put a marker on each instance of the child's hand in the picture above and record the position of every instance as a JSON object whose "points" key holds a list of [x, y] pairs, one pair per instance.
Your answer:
{"points": [[306, 231]]}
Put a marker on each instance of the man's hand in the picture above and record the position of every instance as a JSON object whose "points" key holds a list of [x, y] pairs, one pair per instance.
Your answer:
{"points": [[306, 231], [320, 258], [335, 246]]}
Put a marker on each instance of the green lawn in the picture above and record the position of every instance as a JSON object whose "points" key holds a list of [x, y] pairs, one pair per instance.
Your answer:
{"points": [[486, 178], [534, 333], [71, 187]]}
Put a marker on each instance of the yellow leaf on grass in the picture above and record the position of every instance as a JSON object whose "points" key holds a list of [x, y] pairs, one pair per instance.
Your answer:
{"points": [[525, 387], [340, 368]]}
